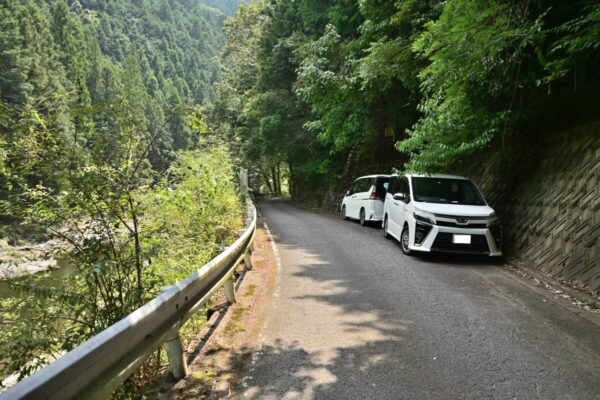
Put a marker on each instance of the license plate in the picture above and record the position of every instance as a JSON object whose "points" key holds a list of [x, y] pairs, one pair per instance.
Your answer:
{"points": [[461, 239]]}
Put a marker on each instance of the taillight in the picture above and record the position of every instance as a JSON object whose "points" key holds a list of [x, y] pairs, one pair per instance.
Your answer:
{"points": [[373, 195]]}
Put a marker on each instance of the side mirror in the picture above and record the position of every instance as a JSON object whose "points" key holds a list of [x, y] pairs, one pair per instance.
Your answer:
{"points": [[400, 196], [347, 193]]}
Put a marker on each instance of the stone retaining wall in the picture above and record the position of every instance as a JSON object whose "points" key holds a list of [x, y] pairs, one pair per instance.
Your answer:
{"points": [[547, 193]]}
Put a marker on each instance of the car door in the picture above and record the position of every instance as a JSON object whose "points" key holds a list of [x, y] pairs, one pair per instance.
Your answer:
{"points": [[397, 208], [387, 202], [348, 200], [363, 196], [381, 184], [363, 191], [402, 206], [354, 199], [390, 205]]}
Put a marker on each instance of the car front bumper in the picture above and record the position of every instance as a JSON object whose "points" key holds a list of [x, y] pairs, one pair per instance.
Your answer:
{"points": [[485, 241]]}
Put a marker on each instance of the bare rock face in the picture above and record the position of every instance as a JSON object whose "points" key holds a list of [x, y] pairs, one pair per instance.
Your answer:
{"points": [[18, 261]]}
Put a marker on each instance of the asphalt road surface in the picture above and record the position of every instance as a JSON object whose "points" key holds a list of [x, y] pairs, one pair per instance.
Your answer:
{"points": [[353, 318]]}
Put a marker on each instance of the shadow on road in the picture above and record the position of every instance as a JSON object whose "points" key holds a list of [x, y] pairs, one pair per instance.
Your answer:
{"points": [[369, 322]]}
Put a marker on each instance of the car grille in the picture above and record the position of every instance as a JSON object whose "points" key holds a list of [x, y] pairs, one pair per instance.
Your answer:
{"points": [[443, 242], [477, 225], [462, 216]]}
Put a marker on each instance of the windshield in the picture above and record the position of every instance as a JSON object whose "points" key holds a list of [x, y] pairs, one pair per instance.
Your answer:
{"points": [[443, 190]]}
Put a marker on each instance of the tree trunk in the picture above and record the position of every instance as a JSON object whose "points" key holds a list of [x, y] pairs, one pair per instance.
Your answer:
{"points": [[274, 178], [265, 177], [268, 183], [279, 179]]}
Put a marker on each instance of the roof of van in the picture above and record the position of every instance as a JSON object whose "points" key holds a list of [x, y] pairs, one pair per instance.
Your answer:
{"points": [[441, 176], [438, 176], [373, 176]]}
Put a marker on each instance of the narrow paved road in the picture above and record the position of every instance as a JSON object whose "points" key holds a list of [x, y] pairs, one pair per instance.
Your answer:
{"points": [[353, 318]]}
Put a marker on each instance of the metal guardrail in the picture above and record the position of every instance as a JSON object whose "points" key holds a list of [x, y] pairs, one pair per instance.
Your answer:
{"points": [[96, 367]]}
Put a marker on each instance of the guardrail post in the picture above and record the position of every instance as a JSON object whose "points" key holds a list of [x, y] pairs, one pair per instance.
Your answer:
{"points": [[247, 260], [230, 290], [243, 179], [177, 360]]}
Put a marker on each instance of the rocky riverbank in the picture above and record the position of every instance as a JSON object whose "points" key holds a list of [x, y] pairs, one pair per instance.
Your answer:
{"points": [[26, 259]]}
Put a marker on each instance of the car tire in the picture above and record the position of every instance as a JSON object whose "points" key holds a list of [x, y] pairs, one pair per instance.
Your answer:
{"points": [[344, 216], [405, 240], [386, 234], [362, 218]]}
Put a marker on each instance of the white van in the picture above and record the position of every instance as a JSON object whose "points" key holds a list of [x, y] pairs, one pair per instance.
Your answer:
{"points": [[443, 213], [364, 200]]}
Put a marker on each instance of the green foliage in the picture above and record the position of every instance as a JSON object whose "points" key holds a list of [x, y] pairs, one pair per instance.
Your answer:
{"points": [[27, 346], [227, 6], [476, 50], [100, 110], [89, 200], [578, 38], [436, 81], [231, 116], [189, 212], [59, 58], [124, 235]]}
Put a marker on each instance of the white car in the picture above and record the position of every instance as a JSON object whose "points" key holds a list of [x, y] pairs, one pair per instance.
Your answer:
{"points": [[364, 200], [443, 213]]}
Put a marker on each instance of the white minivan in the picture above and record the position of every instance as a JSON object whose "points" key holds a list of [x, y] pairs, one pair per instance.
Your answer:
{"points": [[444, 213], [364, 200]]}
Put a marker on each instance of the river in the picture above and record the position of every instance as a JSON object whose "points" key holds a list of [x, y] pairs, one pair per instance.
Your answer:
{"points": [[55, 276]]}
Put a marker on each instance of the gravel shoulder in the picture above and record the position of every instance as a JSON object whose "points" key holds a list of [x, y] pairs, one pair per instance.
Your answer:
{"points": [[223, 350]]}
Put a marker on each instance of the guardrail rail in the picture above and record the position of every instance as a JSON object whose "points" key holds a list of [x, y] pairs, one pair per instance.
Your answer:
{"points": [[95, 368]]}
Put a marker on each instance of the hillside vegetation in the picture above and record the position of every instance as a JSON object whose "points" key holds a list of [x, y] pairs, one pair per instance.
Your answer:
{"points": [[104, 149], [319, 85]]}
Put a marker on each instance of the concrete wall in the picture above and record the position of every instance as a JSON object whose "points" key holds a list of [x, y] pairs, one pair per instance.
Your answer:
{"points": [[547, 193]]}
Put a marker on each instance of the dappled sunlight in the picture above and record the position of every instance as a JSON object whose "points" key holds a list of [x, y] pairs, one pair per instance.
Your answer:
{"points": [[338, 344], [349, 371], [357, 319]]}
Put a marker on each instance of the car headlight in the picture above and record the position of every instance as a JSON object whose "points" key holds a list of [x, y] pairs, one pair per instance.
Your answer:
{"points": [[493, 220], [423, 218]]}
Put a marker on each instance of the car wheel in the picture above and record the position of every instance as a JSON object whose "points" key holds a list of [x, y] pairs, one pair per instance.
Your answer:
{"points": [[404, 241], [362, 217], [386, 234], [344, 216]]}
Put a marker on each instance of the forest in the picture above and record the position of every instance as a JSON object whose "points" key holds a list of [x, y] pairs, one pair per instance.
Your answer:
{"points": [[316, 86], [106, 166]]}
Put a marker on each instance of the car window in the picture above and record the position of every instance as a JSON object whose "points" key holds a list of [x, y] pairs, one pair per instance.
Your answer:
{"points": [[381, 185], [364, 185], [403, 185], [372, 182], [392, 184], [446, 190], [352, 189], [358, 187]]}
